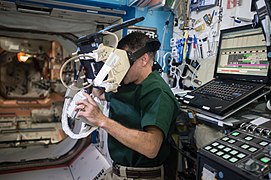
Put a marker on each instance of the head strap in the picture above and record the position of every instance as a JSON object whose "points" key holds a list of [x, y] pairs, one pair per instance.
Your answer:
{"points": [[152, 45]]}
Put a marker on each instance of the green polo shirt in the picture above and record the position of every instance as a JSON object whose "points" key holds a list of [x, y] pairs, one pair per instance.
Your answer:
{"points": [[150, 103]]}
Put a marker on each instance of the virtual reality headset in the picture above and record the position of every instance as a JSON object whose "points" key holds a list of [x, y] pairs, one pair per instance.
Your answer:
{"points": [[111, 65], [105, 65]]}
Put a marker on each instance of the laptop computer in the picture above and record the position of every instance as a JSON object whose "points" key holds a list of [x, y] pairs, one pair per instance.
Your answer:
{"points": [[240, 77]]}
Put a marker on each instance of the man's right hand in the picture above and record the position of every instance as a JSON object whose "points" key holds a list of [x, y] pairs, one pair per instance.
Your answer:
{"points": [[90, 111]]}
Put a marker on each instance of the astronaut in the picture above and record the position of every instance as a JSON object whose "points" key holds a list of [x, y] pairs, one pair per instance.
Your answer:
{"points": [[141, 118]]}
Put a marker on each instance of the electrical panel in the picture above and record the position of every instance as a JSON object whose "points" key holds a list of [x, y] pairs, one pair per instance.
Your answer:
{"points": [[242, 154]]}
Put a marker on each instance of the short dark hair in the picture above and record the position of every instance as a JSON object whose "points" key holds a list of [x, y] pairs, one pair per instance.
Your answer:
{"points": [[135, 41]]}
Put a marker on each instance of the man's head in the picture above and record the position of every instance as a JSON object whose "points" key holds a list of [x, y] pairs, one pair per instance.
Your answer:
{"points": [[142, 66]]}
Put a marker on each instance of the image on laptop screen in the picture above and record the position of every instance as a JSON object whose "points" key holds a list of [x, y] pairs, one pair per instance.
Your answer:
{"points": [[242, 52]]}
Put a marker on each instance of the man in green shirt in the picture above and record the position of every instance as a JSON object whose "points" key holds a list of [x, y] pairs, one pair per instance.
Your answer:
{"points": [[141, 118]]}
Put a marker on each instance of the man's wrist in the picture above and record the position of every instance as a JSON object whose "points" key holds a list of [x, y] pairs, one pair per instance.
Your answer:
{"points": [[103, 122]]}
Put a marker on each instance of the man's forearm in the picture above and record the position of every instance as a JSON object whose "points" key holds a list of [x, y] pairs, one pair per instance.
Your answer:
{"points": [[146, 143]]}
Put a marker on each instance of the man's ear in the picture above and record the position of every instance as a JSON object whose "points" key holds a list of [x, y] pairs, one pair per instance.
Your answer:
{"points": [[145, 59]]}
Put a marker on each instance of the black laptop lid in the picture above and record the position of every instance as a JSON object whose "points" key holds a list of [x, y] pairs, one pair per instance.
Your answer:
{"points": [[242, 55]]}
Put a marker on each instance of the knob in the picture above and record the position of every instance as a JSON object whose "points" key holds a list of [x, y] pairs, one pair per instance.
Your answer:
{"points": [[258, 131], [251, 128], [251, 165], [265, 132], [254, 128], [247, 127], [242, 126]]}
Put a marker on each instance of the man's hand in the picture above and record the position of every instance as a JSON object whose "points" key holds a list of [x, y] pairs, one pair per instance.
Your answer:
{"points": [[90, 111]]}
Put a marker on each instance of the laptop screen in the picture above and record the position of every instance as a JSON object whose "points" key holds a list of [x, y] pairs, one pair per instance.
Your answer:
{"points": [[242, 55]]}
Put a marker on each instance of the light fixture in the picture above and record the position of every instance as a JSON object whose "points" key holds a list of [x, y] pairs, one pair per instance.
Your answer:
{"points": [[23, 57]]}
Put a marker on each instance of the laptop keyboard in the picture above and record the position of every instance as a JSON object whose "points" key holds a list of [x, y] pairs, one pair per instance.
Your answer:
{"points": [[225, 91]]}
